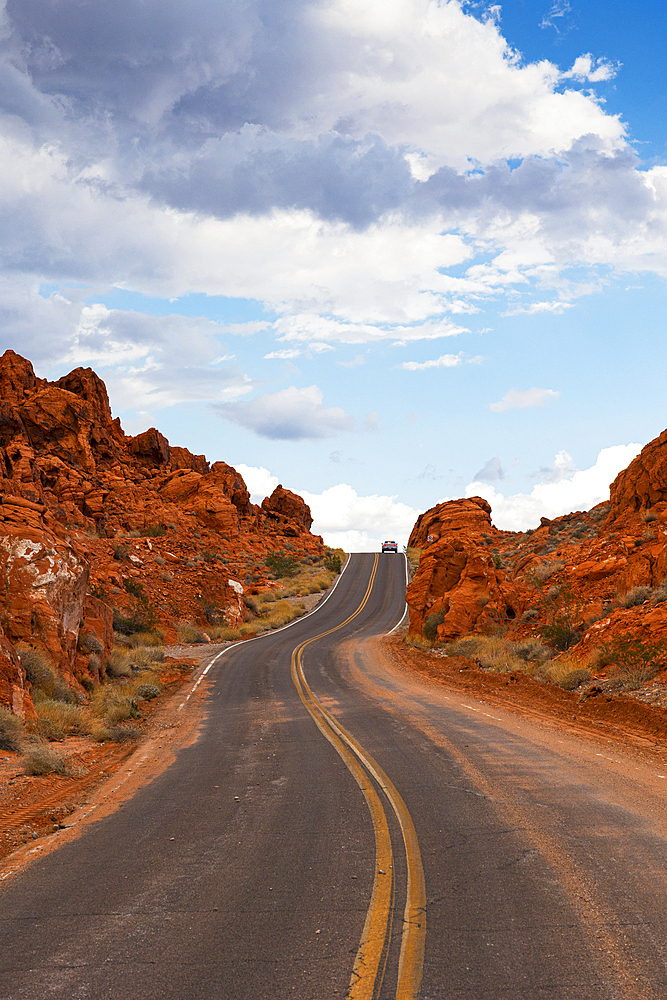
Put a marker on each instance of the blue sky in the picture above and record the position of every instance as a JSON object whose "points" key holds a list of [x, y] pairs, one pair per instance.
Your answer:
{"points": [[385, 254]]}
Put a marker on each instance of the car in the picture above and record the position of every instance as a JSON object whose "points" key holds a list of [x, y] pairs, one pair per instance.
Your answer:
{"points": [[389, 547]]}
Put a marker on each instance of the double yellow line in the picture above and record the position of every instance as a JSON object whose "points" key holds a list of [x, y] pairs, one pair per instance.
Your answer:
{"points": [[371, 959]]}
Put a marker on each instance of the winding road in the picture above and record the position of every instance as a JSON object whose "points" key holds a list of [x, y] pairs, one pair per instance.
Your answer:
{"points": [[343, 829]]}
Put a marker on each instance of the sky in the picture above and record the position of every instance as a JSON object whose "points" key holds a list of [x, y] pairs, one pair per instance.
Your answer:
{"points": [[385, 254]]}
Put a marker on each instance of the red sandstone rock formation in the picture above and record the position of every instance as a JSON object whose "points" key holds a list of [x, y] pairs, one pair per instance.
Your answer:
{"points": [[476, 578], [74, 487]]}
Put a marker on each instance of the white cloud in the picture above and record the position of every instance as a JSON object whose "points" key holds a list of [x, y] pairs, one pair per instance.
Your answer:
{"points": [[579, 491], [517, 399], [586, 68], [491, 472], [563, 468], [536, 308], [358, 523], [444, 361], [289, 415], [259, 481], [357, 360], [314, 208], [283, 355]]}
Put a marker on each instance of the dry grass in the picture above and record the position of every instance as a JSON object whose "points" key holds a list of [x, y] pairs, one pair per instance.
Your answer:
{"points": [[11, 730], [548, 569], [43, 760], [152, 638], [58, 719], [527, 656], [46, 682], [191, 633], [567, 673], [633, 598]]}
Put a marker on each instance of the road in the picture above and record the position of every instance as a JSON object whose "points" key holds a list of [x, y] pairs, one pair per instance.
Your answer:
{"points": [[340, 828]]}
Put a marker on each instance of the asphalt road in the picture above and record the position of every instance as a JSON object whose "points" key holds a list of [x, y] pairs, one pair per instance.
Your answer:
{"points": [[341, 829]]}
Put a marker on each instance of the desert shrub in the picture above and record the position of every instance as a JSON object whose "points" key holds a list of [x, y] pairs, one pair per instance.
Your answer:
{"points": [[154, 638], [224, 633], [561, 609], [113, 705], [560, 634], [497, 561], [142, 616], [89, 643], [530, 614], [660, 593], [547, 570], [636, 661], [267, 596], [11, 730], [418, 642], [282, 565], [58, 719], [44, 760], [147, 691], [119, 664], [490, 652], [467, 646], [94, 665], [635, 597], [431, 622], [648, 516], [530, 650], [333, 560], [572, 679], [190, 633], [116, 734], [285, 612], [45, 681], [599, 512], [120, 552], [154, 531]]}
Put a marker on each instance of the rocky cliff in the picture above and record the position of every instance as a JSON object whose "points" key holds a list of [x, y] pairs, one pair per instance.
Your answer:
{"points": [[599, 573], [91, 517]]}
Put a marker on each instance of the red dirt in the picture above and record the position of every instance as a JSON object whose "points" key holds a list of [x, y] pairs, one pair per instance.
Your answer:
{"points": [[609, 714]]}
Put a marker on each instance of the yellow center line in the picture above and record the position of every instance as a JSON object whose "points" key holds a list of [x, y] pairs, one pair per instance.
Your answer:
{"points": [[372, 945]]}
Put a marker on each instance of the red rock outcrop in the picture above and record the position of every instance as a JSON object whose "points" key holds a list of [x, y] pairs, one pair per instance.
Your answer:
{"points": [[74, 489], [457, 577], [476, 578], [286, 512]]}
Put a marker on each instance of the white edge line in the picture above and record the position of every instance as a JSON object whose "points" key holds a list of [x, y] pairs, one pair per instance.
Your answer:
{"points": [[406, 605], [265, 635]]}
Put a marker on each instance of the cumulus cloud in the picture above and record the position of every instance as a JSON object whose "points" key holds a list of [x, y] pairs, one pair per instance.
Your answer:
{"points": [[517, 399], [492, 472], [289, 415], [259, 481], [563, 467], [586, 68], [317, 160], [535, 308], [285, 355], [578, 491], [358, 523], [444, 361]]}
